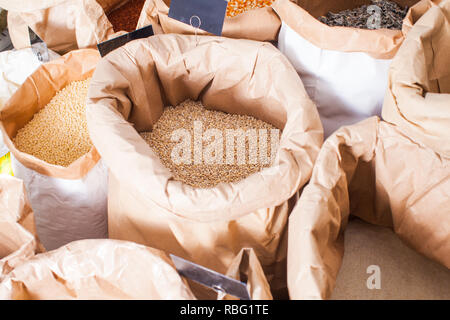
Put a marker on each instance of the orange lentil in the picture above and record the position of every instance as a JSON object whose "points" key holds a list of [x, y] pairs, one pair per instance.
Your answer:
{"points": [[125, 18], [236, 7]]}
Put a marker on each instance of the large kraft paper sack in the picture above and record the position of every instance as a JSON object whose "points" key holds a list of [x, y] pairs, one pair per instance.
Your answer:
{"points": [[374, 171], [18, 241], [378, 265], [246, 268], [70, 203], [128, 92], [15, 67], [418, 96], [260, 24], [344, 69], [96, 269], [64, 25]]}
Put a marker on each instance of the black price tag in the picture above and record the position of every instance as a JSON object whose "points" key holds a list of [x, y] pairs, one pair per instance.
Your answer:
{"points": [[106, 47], [207, 15]]}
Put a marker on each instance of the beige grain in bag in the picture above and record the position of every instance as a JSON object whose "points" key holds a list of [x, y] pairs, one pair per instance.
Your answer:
{"points": [[129, 90], [18, 241]]}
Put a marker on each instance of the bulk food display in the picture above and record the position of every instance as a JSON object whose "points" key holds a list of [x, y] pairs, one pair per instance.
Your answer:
{"points": [[130, 91], [112, 269], [373, 171], [343, 55], [44, 127]]}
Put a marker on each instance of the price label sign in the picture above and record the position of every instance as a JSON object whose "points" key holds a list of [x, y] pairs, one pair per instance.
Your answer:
{"points": [[207, 15]]}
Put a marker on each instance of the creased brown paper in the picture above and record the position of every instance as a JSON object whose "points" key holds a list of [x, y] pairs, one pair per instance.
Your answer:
{"points": [[246, 267], [377, 265], [18, 241], [260, 24], [373, 171], [96, 269], [418, 97], [301, 16], [128, 92]]}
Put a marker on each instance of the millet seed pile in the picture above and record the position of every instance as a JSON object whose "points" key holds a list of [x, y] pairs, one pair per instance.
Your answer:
{"points": [[58, 133], [205, 175], [236, 7], [391, 14]]}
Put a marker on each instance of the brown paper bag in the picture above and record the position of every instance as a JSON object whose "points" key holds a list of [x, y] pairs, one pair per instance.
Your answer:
{"points": [[96, 269], [246, 267], [56, 192], [373, 171], [418, 96], [259, 24], [128, 92], [344, 69], [18, 240], [377, 265], [64, 25]]}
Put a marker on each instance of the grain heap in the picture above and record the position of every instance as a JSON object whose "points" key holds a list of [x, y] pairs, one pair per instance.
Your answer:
{"points": [[236, 7], [125, 18], [205, 175], [391, 15], [58, 133]]}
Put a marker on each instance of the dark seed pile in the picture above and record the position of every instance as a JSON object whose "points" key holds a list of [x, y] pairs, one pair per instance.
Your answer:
{"points": [[203, 175], [391, 15]]}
